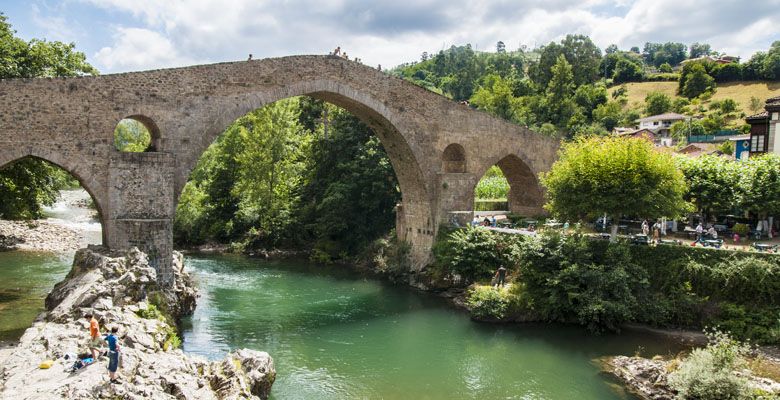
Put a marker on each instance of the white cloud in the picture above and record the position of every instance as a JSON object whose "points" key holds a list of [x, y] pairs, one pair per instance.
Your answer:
{"points": [[176, 32], [136, 48]]}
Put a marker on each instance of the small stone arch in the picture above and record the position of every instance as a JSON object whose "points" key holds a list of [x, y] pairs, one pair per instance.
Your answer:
{"points": [[454, 159], [151, 127], [526, 195]]}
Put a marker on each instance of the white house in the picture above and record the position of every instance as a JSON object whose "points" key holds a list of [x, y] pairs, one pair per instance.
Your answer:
{"points": [[661, 124]]}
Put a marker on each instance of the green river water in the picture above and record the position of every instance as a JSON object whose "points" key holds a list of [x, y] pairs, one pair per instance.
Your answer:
{"points": [[336, 335]]}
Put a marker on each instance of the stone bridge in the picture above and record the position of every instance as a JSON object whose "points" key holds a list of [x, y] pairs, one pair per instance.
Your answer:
{"points": [[438, 148]]}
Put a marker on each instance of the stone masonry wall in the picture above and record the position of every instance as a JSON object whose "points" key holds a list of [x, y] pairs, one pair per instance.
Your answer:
{"points": [[70, 122]]}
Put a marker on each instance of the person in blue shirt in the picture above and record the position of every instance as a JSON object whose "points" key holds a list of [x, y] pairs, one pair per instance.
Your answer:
{"points": [[113, 354]]}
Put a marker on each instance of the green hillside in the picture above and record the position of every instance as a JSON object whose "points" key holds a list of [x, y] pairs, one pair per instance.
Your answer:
{"points": [[741, 92]]}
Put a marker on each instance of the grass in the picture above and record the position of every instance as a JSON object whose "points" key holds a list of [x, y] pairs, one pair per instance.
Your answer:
{"points": [[741, 92]]}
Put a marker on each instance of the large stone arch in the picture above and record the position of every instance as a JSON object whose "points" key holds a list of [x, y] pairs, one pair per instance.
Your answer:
{"points": [[387, 125], [76, 171]]}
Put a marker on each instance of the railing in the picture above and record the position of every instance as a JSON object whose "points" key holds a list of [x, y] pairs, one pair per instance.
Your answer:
{"points": [[718, 136]]}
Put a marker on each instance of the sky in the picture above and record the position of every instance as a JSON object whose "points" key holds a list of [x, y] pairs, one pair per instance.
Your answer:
{"points": [[132, 35]]}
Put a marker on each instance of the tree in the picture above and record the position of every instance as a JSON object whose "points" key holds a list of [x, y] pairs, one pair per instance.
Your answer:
{"points": [[611, 49], [713, 183], [495, 97], [500, 47], [31, 183], [616, 176], [627, 71], [657, 103], [560, 90], [697, 82], [700, 49], [755, 104], [349, 171], [683, 129], [590, 96], [665, 67], [760, 184], [608, 115], [727, 72], [580, 53]]}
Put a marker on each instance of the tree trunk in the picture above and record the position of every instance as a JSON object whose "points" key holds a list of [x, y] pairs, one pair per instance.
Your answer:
{"points": [[613, 236]]}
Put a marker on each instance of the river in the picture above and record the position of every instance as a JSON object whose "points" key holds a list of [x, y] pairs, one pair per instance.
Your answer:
{"points": [[335, 335]]}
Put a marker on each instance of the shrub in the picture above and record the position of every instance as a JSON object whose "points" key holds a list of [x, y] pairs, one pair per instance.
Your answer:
{"points": [[709, 373], [150, 312], [761, 325], [475, 252], [486, 302], [568, 283]]}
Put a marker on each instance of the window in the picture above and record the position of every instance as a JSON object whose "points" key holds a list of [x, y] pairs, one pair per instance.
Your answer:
{"points": [[655, 123], [758, 143]]}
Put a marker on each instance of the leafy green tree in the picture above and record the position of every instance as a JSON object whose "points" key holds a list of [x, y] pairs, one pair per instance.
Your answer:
{"points": [[669, 52], [495, 96], [627, 71], [579, 51], [271, 164], [760, 184], [665, 67], [559, 94], [31, 183], [590, 96], [713, 183], [697, 82], [616, 176], [727, 72], [27, 185], [351, 191], [700, 49], [657, 103], [682, 129], [608, 115], [611, 49]]}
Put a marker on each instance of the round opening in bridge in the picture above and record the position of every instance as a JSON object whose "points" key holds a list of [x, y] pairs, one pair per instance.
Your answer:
{"points": [[454, 159], [134, 135]]}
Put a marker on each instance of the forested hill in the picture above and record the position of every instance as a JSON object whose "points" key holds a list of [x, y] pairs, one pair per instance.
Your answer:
{"points": [[573, 87]]}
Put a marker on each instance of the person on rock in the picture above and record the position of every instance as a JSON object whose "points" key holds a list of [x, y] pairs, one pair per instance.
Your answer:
{"points": [[94, 336], [113, 354]]}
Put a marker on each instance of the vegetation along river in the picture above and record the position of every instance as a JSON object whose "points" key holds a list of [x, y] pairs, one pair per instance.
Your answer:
{"points": [[335, 335]]}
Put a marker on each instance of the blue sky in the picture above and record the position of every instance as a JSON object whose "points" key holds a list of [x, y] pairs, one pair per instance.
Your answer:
{"points": [[127, 35]]}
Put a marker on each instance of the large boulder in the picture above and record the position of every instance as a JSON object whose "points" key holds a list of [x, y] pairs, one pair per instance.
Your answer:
{"points": [[123, 292]]}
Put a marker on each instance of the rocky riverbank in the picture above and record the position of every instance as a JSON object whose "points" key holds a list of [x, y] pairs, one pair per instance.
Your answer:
{"points": [[121, 290], [647, 378], [38, 235]]}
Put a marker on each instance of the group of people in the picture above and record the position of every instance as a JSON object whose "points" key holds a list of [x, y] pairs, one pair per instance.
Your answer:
{"points": [[710, 233], [343, 54], [490, 220], [656, 230], [96, 345]]}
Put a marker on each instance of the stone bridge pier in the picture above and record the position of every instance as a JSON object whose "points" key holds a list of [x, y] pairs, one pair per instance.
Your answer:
{"points": [[439, 149]]}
